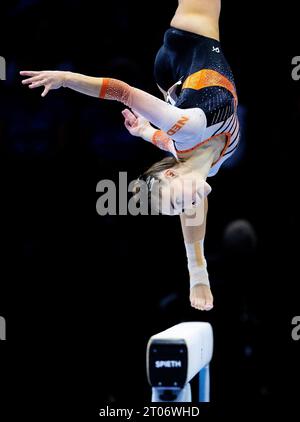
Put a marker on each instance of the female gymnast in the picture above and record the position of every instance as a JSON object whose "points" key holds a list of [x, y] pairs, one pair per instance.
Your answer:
{"points": [[197, 122]]}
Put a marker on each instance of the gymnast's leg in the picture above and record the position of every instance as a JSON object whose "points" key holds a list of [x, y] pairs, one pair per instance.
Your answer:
{"points": [[200, 294], [198, 16]]}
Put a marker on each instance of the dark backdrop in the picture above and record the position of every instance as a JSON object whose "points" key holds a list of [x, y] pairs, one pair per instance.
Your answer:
{"points": [[81, 293]]}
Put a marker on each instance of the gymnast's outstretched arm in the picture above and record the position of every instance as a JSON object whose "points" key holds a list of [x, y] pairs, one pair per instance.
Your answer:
{"points": [[177, 123]]}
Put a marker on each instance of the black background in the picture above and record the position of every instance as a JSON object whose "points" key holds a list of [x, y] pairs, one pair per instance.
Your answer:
{"points": [[81, 293]]}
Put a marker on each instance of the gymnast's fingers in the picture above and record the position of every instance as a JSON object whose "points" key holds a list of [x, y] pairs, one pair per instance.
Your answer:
{"points": [[30, 80], [129, 116], [46, 90], [128, 125], [38, 83], [28, 73]]}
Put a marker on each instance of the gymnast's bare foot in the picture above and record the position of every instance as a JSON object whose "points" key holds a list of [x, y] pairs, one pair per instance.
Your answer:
{"points": [[201, 297]]}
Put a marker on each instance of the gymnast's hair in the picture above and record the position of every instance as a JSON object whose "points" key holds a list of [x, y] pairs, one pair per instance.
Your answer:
{"points": [[157, 168], [152, 178]]}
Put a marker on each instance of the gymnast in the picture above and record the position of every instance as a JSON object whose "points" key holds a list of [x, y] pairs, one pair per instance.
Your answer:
{"points": [[196, 123]]}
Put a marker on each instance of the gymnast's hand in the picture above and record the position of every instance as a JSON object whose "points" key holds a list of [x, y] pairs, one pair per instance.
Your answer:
{"points": [[135, 123], [48, 79]]}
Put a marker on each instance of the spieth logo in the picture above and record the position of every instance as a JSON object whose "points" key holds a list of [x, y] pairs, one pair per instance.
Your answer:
{"points": [[168, 364], [2, 68]]}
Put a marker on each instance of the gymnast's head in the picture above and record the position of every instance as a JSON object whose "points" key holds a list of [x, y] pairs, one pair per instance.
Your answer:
{"points": [[171, 187]]}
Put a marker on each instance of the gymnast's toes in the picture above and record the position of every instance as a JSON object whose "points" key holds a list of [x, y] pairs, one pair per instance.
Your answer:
{"points": [[201, 298]]}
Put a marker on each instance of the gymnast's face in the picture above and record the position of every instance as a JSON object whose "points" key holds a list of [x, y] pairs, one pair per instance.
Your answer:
{"points": [[181, 190]]}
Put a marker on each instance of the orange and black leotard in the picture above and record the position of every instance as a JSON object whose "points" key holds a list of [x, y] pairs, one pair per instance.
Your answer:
{"points": [[194, 72], [201, 96]]}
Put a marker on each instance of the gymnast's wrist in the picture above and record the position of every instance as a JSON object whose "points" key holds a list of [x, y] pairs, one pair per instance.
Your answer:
{"points": [[147, 132], [65, 79]]}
